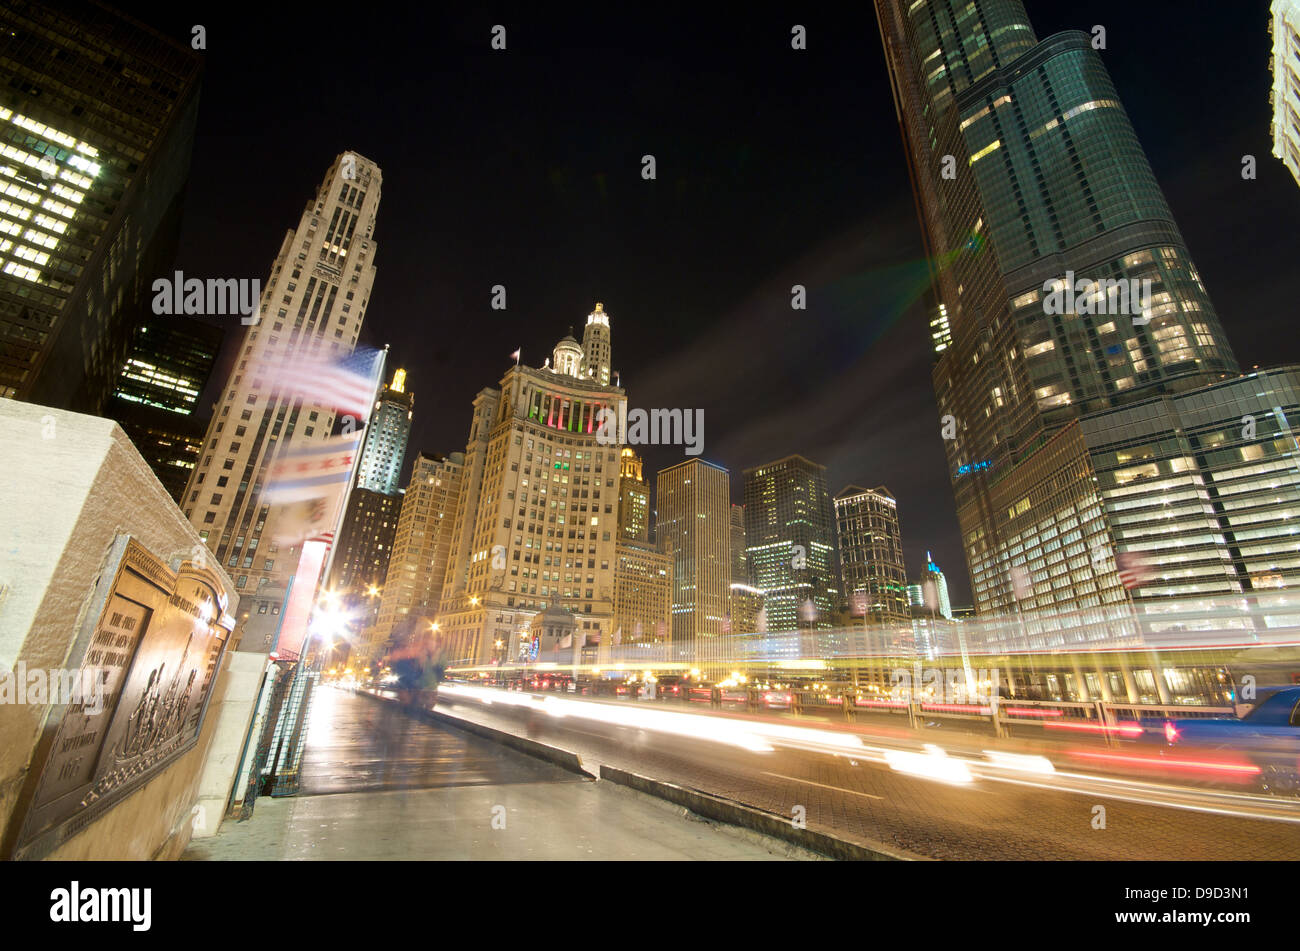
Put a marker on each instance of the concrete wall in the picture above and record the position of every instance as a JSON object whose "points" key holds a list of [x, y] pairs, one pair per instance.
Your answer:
{"points": [[70, 484]]}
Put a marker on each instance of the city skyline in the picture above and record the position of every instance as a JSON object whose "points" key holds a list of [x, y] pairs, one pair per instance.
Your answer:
{"points": [[857, 257], [729, 329]]}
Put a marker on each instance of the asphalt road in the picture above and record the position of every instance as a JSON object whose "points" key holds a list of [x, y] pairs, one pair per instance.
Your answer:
{"points": [[1000, 814]]}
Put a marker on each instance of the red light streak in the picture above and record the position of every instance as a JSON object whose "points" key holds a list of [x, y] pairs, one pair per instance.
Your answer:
{"points": [[1124, 729], [1162, 763], [1025, 712]]}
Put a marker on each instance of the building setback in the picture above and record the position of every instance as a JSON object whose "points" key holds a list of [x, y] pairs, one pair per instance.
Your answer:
{"points": [[97, 118]]}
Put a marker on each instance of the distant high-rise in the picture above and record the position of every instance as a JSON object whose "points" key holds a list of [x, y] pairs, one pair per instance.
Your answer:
{"points": [[693, 507], [934, 589], [362, 552], [739, 560], [314, 300], [97, 119], [537, 523], [157, 392], [417, 564], [380, 468], [871, 555], [643, 596], [790, 543], [1285, 97], [633, 498], [1068, 288]]}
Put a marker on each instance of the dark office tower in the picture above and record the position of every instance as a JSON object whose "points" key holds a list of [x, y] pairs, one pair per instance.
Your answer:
{"points": [[871, 555], [380, 469], [365, 547], [790, 543], [739, 562], [157, 391], [97, 117], [1066, 284]]}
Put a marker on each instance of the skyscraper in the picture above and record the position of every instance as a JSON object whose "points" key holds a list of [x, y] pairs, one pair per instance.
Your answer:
{"points": [[934, 589], [369, 526], [96, 127], [314, 300], [871, 555], [537, 523], [384, 449], [1285, 96], [739, 560], [417, 565], [790, 543], [633, 498], [1068, 287], [362, 552], [596, 353], [693, 519], [746, 600], [157, 392], [643, 598]]}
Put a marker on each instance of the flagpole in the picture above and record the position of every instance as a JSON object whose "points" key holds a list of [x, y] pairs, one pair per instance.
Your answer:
{"points": [[381, 365]]}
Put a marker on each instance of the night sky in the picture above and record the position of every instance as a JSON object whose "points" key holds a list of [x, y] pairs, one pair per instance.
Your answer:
{"points": [[775, 167]]}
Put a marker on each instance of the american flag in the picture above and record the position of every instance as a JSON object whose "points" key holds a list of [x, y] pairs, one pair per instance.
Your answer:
{"points": [[1134, 571], [346, 384]]}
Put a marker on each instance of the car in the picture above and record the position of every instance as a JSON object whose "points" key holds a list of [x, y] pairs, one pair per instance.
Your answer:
{"points": [[669, 687], [1268, 737]]}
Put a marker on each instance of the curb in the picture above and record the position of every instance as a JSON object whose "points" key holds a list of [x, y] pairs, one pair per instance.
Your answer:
{"points": [[733, 813]]}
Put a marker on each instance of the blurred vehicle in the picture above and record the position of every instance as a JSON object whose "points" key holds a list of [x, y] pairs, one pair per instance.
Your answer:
{"points": [[1268, 737], [669, 687]]}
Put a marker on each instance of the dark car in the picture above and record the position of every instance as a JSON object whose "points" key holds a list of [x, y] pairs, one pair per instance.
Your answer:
{"points": [[1268, 737], [669, 687]]}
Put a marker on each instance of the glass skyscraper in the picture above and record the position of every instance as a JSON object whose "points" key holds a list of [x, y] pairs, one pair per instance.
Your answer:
{"points": [[1067, 286], [380, 469], [97, 119], [790, 543], [157, 394]]}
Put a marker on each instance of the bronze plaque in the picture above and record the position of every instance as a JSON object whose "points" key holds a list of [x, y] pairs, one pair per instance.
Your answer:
{"points": [[153, 642]]}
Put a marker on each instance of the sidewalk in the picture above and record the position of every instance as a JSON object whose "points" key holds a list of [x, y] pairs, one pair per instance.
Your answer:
{"points": [[378, 784]]}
